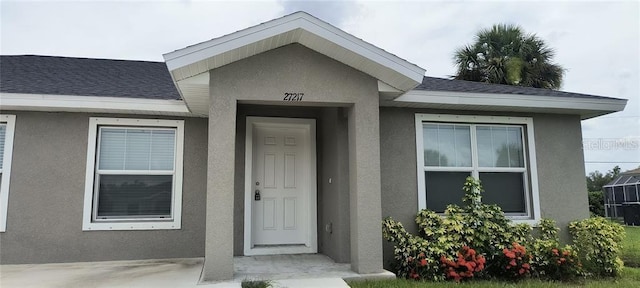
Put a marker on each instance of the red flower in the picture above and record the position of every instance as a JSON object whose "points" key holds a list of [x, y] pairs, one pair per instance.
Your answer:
{"points": [[423, 262], [472, 252], [526, 266]]}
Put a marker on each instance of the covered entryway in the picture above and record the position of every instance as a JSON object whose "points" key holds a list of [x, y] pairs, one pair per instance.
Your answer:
{"points": [[280, 186], [294, 61]]}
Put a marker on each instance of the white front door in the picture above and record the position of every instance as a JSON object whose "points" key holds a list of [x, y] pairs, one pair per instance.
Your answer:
{"points": [[280, 196]]}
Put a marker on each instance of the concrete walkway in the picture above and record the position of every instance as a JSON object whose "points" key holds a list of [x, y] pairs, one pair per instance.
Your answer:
{"points": [[281, 270]]}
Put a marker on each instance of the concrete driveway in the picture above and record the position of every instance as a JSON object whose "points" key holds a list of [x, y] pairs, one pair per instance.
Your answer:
{"points": [[281, 270]]}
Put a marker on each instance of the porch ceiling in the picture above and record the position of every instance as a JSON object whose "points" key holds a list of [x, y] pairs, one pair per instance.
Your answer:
{"points": [[189, 66]]}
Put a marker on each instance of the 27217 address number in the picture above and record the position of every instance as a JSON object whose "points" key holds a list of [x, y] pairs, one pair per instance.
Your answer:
{"points": [[293, 96]]}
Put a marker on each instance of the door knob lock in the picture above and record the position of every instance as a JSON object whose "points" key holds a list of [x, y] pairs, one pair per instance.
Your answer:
{"points": [[256, 195]]}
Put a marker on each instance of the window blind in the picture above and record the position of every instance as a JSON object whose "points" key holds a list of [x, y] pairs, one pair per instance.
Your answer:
{"points": [[136, 149]]}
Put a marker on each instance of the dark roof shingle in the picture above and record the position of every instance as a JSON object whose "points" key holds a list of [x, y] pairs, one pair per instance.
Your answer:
{"points": [[440, 84], [151, 80], [86, 77]]}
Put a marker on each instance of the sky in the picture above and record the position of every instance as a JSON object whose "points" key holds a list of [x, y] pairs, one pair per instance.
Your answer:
{"points": [[598, 43]]}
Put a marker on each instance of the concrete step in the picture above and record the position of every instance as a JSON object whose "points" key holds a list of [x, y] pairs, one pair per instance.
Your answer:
{"points": [[310, 283]]}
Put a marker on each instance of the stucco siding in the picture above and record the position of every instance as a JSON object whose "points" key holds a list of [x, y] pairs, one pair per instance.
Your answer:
{"points": [[46, 197], [559, 157], [561, 174], [262, 80]]}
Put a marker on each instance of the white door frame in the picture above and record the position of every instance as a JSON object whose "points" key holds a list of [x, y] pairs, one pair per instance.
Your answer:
{"points": [[311, 243]]}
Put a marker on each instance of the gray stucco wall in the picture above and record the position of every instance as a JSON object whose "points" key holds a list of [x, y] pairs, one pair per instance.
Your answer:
{"points": [[263, 79], [559, 158], [44, 222]]}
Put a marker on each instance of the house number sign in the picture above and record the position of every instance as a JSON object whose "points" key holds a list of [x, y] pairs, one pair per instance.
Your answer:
{"points": [[293, 96]]}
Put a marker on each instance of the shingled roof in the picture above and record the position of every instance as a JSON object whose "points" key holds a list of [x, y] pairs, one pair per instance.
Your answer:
{"points": [[440, 84], [31, 74]]}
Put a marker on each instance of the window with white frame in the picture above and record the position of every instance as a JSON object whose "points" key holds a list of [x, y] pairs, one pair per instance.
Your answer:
{"points": [[497, 150], [134, 174], [7, 127]]}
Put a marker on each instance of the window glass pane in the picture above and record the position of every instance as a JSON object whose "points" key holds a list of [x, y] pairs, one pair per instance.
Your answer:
{"points": [[430, 140], [162, 149], [447, 145], [444, 188], [463, 146], [500, 146], [136, 149], [3, 132], [485, 147], [504, 189], [132, 196], [516, 151], [112, 149]]}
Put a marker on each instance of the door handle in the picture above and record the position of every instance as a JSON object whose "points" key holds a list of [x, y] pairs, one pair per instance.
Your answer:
{"points": [[256, 195]]}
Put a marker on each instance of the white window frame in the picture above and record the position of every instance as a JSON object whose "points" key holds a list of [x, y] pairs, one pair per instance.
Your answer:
{"points": [[10, 121], [89, 221], [532, 198]]}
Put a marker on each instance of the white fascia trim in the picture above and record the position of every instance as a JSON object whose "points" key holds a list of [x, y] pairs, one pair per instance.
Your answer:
{"points": [[299, 20], [535, 214], [512, 100], [10, 121], [176, 209], [20, 101]]}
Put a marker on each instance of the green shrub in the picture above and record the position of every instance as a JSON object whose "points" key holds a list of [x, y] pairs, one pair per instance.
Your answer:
{"points": [[255, 284], [596, 203], [478, 226], [409, 251], [598, 243], [550, 261]]}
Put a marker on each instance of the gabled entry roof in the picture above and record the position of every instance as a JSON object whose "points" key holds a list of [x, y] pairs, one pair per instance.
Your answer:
{"points": [[189, 66]]}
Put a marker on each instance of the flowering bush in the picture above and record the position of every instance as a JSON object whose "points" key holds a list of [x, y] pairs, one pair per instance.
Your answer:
{"points": [[481, 226], [561, 264], [513, 263], [414, 256], [464, 266], [550, 261], [423, 267]]}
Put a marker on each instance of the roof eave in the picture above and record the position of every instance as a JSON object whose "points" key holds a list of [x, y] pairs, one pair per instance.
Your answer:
{"points": [[93, 104], [586, 107]]}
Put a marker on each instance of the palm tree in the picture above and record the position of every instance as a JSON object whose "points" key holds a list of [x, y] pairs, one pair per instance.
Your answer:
{"points": [[504, 54]]}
